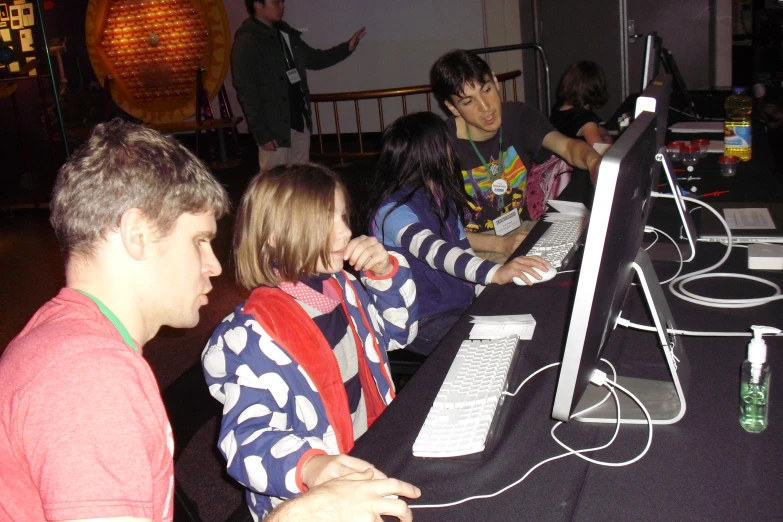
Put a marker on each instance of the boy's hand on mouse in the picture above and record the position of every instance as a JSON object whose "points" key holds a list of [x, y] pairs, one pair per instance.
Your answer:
{"points": [[521, 267], [321, 468], [367, 253]]}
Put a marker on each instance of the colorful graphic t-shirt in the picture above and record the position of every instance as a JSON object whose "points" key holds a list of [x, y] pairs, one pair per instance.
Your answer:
{"points": [[524, 129]]}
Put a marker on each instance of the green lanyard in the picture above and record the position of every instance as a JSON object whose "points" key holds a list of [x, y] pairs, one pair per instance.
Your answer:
{"points": [[483, 161], [114, 320]]}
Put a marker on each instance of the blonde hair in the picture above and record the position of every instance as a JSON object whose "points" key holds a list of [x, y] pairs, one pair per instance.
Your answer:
{"points": [[283, 224]]}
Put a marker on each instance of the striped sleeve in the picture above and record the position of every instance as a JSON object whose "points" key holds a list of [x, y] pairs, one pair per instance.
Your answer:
{"points": [[388, 223], [446, 257]]}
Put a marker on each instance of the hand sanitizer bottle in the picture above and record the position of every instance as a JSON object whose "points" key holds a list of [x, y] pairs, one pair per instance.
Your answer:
{"points": [[754, 384]]}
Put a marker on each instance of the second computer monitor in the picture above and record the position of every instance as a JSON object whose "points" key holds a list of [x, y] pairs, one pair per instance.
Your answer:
{"points": [[652, 58], [673, 218]]}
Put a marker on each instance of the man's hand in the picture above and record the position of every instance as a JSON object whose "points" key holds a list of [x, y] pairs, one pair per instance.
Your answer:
{"points": [[511, 242], [356, 38], [521, 267], [353, 498], [577, 153], [593, 162], [322, 468], [367, 253], [270, 147]]}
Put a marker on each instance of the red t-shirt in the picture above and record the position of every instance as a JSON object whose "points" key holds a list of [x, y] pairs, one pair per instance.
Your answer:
{"points": [[83, 429]]}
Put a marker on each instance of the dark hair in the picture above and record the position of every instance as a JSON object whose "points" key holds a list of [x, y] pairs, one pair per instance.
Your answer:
{"points": [[250, 6], [123, 166], [583, 83], [417, 154], [455, 70]]}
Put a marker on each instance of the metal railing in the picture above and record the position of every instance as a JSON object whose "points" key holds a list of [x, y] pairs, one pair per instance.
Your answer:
{"points": [[400, 92], [541, 54]]}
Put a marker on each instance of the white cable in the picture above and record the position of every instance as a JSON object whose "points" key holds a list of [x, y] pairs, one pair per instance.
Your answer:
{"points": [[578, 453], [628, 324], [530, 377], [677, 285], [679, 252], [654, 231], [550, 459]]}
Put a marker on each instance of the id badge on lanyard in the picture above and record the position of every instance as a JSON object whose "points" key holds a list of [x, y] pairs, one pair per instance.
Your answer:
{"points": [[510, 220], [292, 73]]}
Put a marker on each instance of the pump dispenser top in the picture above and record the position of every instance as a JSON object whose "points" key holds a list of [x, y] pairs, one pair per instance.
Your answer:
{"points": [[757, 348]]}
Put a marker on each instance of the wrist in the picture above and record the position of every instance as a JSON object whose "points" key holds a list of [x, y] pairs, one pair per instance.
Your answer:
{"points": [[392, 269], [305, 468]]}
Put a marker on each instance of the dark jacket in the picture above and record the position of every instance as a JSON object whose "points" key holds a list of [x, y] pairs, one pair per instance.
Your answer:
{"points": [[259, 73]]}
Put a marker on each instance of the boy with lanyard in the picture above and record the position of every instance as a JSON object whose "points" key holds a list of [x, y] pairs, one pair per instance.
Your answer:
{"points": [[495, 168]]}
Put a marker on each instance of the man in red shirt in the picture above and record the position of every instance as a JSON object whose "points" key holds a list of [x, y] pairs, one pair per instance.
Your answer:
{"points": [[83, 430]]}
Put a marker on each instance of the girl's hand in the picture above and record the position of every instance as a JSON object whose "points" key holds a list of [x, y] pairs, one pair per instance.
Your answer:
{"points": [[367, 253], [521, 267], [321, 468]]}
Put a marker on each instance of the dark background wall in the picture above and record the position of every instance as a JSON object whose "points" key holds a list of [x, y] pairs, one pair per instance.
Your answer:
{"points": [[573, 30]]}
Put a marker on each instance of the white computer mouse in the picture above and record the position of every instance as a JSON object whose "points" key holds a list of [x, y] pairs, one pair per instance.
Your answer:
{"points": [[545, 276]]}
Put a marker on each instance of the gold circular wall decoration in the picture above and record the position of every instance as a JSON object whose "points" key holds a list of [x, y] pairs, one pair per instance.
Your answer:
{"points": [[153, 48]]}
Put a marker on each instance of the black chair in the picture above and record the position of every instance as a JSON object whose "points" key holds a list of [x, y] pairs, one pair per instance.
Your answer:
{"points": [[403, 365], [190, 407]]}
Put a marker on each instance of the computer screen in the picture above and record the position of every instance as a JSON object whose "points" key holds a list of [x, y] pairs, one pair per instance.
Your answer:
{"points": [[611, 259], [652, 58]]}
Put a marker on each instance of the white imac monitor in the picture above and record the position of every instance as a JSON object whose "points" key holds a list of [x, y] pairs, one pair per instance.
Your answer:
{"points": [[673, 218], [652, 58], [612, 257]]}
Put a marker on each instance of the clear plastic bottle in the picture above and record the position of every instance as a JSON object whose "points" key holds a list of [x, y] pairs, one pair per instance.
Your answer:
{"points": [[737, 131], [754, 383]]}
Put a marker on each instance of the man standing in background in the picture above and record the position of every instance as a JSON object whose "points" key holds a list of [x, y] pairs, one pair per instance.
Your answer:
{"points": [[269, 62]]}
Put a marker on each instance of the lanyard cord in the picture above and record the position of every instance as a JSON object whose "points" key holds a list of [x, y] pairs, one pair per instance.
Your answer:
{"points": [[481, 157], [126, 336]]}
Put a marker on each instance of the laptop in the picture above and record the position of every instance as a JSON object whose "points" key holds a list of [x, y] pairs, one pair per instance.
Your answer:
{"points": [[748, 222]]}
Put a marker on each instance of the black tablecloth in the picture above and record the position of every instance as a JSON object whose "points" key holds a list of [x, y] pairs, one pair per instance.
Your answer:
{"points": [[705, 467]]}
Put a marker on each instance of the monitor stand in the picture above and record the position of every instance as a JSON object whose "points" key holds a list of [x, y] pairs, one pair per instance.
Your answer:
{"points": [[670, 66], [664, 400], [663, 249]]}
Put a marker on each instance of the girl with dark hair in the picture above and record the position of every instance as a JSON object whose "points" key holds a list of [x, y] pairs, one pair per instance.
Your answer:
{"points": [[419, 210], [582, 89]]}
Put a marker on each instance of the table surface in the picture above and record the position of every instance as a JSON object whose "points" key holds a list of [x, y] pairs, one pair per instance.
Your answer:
{"points": [[705, 467]]}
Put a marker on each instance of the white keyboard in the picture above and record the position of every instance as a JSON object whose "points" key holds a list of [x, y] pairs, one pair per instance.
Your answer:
{"points": [[462, 413], [558, 241]]}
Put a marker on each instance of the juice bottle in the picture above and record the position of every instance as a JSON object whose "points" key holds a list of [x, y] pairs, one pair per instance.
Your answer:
{"points": [[736, 141]]}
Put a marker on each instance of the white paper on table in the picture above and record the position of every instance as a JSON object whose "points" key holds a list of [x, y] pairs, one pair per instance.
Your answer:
{"points": [[569, 207], [692, 127], [715, 146], [495, 327], [748, 218]]}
